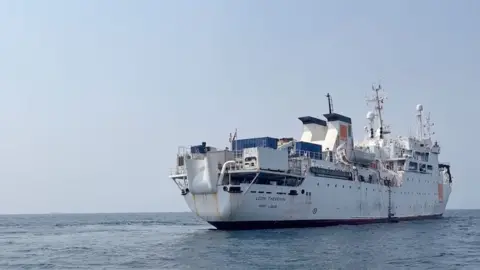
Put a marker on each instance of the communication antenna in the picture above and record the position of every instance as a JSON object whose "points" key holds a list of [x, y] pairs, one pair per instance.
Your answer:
{"points": [[420, 130], [370, 118], [378, 101], [428, 126], [330, 103]]}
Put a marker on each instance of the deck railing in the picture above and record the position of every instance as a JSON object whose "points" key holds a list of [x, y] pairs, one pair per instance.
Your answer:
{"points": [[294, 158]]}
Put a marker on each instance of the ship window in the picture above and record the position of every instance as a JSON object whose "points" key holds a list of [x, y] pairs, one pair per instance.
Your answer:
{"points": [[401, 165], [413, 166], [422, 167], [429, 167]]}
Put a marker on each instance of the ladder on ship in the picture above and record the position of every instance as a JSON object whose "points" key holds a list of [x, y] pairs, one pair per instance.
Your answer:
{"points": [[391, 215]]}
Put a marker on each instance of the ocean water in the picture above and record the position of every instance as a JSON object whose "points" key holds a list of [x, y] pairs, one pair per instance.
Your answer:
{"points": [[182, 241]]}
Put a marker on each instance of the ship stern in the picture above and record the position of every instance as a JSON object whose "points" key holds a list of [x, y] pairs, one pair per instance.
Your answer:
{"points": [[198, 177]]}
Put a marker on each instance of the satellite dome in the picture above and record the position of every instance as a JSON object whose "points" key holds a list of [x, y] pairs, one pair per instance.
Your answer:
{"points": [[419, 107], [370, 116]]}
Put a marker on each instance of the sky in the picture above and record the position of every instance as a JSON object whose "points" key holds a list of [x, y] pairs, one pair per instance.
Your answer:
{"points": [[96, 96]]}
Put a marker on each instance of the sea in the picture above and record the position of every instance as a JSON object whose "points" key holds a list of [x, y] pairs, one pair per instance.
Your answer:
{"points": [[182, 241]]}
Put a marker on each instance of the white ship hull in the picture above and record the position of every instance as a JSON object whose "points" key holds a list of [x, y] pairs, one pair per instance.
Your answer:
{"points": [[320, 180], [325, 202]]}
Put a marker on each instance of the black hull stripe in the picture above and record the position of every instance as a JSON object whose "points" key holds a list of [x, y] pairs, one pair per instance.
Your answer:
{"points": [[256, 225]]}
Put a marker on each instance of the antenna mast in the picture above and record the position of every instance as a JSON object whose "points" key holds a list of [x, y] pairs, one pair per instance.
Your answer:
{"points": [[420, 131], [378, 100], [330, 103], [428, 126]]}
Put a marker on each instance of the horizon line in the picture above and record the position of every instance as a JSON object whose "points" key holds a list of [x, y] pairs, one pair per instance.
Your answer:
{"points": [[145, 212]]}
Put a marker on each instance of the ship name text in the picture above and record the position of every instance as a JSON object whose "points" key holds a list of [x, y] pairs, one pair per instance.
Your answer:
{"points": [[270, 198]]}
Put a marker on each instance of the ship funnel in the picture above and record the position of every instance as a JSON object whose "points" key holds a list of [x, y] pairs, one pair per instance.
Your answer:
{"points": [[339, 130], [314, 129]]}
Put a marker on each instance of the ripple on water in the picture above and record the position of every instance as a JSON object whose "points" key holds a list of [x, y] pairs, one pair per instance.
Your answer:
{"points": [[181, 241]]}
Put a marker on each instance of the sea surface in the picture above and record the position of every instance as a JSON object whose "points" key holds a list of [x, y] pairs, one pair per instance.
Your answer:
{"points": [[182, 241]]}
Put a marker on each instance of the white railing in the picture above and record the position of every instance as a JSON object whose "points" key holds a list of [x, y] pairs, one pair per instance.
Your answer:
{"points": [[301, 153], [295, 164], [185, 151], [238, 154], [180, 170]]}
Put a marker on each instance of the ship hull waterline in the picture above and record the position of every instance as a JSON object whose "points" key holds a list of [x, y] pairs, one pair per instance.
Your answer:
{"points": [[285, 224]]}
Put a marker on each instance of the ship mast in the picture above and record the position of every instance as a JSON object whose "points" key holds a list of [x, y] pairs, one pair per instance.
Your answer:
{"points": [[378, 100], [428, 126], [420, 130], [330, 103]]}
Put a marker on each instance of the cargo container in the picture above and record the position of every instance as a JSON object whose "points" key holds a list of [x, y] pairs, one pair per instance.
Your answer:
{"points": [[200, 149], [309, 149], [267, 142], [306, 146]]}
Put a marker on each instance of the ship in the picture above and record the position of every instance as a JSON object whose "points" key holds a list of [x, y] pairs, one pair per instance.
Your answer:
{"points": [[322, 179]]}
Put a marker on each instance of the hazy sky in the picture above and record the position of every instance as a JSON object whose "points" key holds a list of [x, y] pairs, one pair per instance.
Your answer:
{"points": [[95, 96]]}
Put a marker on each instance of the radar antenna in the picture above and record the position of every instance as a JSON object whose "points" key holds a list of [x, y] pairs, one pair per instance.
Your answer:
{"points": [[330, 103], [428, 126], [420, 128], [378, 100]]}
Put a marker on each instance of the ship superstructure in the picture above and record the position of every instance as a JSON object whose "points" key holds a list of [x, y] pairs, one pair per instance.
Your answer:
{"points": [[324, 178]]}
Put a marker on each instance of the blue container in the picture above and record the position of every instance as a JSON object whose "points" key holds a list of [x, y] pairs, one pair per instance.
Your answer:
{"points": [[309, 147], [198, 149], [241, 144]]}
